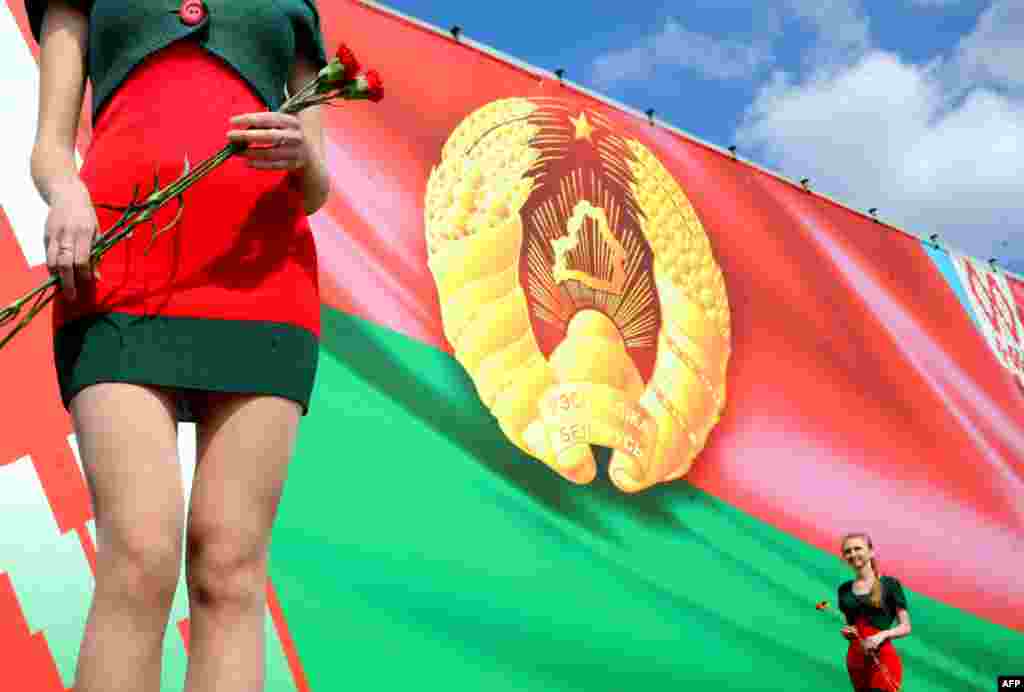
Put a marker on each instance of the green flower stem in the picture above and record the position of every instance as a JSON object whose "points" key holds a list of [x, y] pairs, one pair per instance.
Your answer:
{"points": [[300, 95], [121, 230], [161, 197], [36, 309]]}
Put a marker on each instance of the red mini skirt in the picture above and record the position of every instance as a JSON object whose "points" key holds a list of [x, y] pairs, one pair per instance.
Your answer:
{"points": [[865, 673], [227, 300]]}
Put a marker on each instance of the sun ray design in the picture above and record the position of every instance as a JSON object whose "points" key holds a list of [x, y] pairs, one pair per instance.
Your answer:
{"points": [[609, 274]]}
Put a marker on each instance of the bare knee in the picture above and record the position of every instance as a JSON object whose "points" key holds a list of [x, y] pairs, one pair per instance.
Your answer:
{"points": [[134, 478], [227, 568], [140, 574]]}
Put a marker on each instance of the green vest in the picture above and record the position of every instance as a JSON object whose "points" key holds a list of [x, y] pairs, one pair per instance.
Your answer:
{"points": [[854, 606], [259, 38]]}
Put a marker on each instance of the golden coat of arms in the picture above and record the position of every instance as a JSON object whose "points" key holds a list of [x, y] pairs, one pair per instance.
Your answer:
{"points": [[579, 291]]}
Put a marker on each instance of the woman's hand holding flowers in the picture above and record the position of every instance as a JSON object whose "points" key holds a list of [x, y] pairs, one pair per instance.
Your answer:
{"points": [[275, 141], [873, 642]]}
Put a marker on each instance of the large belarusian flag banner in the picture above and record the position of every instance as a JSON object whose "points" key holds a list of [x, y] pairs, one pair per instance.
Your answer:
{"points": [[595, 404]]}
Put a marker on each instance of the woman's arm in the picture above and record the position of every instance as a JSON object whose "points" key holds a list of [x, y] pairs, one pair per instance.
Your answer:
{"points": [[71, 223], [62, 72], [900, 630], [316, 183]]}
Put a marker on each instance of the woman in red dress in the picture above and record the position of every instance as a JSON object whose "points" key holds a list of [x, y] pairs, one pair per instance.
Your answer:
{"points": [[871, 603], [217, 322]]}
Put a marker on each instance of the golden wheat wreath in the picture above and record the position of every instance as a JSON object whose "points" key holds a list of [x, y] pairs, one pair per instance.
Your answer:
{"points": [[578, 290]]}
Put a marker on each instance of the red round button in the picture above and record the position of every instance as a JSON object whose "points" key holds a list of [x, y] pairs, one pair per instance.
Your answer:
{"points": [[192, 12]]}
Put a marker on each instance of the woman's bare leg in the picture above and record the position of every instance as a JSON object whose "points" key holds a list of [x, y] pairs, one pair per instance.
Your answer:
{"points": [[127, 437], [244, 445]]}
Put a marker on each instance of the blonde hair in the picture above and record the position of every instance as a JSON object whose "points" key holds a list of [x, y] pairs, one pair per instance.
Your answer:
{"points": [[875, 598]]}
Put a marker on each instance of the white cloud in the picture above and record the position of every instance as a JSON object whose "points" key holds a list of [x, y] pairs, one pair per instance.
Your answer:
{"points": [[937, 147], [994, 51], [675, 46], [841, 28]]}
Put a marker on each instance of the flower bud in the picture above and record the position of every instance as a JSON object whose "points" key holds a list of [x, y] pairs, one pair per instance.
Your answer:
{"points": [[374, 86], [333, 73], [348, 62]]}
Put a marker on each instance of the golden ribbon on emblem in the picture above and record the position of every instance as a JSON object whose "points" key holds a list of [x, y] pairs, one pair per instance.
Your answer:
{"points": [[596, 414]]}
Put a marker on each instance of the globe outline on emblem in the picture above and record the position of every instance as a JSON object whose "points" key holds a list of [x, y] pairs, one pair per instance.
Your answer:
{"points": [[579, 290]]}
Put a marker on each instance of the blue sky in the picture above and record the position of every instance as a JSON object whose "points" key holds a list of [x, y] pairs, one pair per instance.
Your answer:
{"points": [[912, 106]]}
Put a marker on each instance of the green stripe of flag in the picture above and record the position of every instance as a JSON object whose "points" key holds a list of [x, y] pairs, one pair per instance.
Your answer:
{"points": [[417, 548]]}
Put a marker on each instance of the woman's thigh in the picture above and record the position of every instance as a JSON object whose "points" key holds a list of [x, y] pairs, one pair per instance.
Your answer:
{"points": [[127, 439], [244, 445]]}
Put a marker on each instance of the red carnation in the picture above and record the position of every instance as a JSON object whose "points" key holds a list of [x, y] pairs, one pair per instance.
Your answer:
{"points": [[374, 86], [348, 61]]}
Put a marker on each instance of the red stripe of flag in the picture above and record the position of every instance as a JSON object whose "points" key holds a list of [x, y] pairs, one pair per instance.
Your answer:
{"points": [[859, 395]]}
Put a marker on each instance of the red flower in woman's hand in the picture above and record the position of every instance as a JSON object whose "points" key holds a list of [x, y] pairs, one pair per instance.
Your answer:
{"points": [[348, 61], [374, 86]]}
